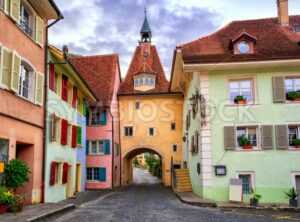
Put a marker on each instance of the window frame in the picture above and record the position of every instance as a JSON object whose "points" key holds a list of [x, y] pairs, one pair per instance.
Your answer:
{"points": [[252, 179], [258, 136], [58, 172], [94, 169], [297, 134], [97, 147], [173, 126], [137, 105], [31, 80], [31, 19], [253, 84], [173, 146], [151, 131], [127, 134]]}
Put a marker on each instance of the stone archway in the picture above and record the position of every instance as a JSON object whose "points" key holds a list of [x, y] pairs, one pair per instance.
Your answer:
{"points": [[127, 157]]}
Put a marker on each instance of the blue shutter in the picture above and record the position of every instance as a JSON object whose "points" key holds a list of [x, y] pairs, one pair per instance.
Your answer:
{"points": [[102, 174], [107, 147], [103, 118], [87, 147]]}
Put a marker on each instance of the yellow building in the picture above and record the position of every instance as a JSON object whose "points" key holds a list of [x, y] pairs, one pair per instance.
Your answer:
{"points": [[150, 115]]}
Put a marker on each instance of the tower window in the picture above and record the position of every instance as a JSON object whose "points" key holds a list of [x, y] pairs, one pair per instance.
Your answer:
{"points": [[173, 126], [151, 131], [137, 105], [174, 148]]}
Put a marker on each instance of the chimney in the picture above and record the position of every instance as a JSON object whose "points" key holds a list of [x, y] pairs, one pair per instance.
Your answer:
{"points": [[283, 12]]}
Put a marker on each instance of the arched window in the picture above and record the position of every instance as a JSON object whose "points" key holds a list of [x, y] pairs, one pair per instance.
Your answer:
{"points": [[147, 81], [141, 82], [27, 81], [136, 82]]}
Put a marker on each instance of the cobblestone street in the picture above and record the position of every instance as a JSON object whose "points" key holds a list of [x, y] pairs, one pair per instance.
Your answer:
{"points": [[154, 202]]}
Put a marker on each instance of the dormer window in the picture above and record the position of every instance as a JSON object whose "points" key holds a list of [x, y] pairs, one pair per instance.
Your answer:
{"points": [[144, 82], [243, 47], [243, 44]]}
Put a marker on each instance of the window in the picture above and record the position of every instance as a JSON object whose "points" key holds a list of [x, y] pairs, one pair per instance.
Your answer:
{"points": [[294, 133], [249, 132], [98, 117], [246, 186], [292, 84], [2, 4], [243, 88], [128, 131], [137, 105], [243, 47], [144, 80], [56, 129], [27, 82], [173, 126], [100, 147], [25, 22], [92, 173], [151, 131], [174, 148]]}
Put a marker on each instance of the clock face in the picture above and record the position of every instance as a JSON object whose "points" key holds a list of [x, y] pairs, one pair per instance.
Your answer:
{"points": [[220, 170], [243, 47]]}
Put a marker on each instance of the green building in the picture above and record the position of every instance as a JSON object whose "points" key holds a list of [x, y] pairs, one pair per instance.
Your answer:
{"points": [[242, 114]]}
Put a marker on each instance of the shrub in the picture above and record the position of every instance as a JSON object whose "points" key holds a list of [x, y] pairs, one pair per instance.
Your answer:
{"points": [[240, 98], [16, 172], [296, 142], [291, 194]]}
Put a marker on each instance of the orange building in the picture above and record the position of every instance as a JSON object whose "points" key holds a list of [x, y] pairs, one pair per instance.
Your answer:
{"points": [[150, 115], [22, 77]]}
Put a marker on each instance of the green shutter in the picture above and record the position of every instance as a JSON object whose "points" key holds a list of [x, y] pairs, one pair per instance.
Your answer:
{"points": [[79, 135], [107, 147], [39, 84], [102, 174], [39, 31], [15, 72], [229, 138], [279, 93], [103, 118], [6, 6], [84, 107], [15, 10], [5, 65], [87, 147]]}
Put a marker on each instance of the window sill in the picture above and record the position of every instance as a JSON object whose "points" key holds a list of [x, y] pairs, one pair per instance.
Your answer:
{"points": [[94, 181], [291, 149], [250, 150], [95, 125], [242, 105], [292, 102], [98, 154]]}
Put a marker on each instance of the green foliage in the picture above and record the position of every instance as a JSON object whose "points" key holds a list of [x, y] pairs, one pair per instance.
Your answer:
{"points": [[255, 195], [243, 141], [240, 98], [135, 162], [4, 195], [16, 172], [293, 95], [291, 194], [9, 199], [150, 161], [296, 142]]}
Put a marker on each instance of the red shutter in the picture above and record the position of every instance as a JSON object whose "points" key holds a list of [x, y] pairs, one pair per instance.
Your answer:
{"points": [[53, 173], [51, 76], [65, 173], [64, 132], [53, 127], [74, 100], [65, 86], [74, 136]]}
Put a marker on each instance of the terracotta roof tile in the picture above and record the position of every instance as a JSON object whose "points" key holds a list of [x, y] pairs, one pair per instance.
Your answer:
{"points": [[153, 65], [273, 42], [99, 72]]}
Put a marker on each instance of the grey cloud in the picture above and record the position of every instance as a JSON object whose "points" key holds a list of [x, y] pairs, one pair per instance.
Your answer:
{"points": [[119, 23]]}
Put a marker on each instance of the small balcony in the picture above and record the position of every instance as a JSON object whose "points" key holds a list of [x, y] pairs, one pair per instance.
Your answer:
{"points": [[25, 27]]}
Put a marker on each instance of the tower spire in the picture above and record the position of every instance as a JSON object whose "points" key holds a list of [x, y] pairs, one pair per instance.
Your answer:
{"points": [[146, 33]]}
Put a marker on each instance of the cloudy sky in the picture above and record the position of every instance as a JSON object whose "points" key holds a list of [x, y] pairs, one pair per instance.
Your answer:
{"points": [[113, 26]]}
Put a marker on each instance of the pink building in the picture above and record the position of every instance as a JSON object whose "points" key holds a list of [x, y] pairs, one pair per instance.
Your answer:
{"points": [[102, 73]]}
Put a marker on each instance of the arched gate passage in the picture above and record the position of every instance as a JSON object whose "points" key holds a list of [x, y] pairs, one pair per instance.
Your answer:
{"points": [[127, 170]]}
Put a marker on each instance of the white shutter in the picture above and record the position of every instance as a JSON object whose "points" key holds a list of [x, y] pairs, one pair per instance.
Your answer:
{"points": [[39, 31], [5, 65], [6, 6]]}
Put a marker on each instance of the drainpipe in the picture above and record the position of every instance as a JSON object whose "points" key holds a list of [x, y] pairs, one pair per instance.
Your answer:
{"points": [[112, 149], [60, 17]]}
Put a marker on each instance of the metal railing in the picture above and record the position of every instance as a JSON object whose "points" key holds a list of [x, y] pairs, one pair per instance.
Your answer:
{"points": [[26, 28]]}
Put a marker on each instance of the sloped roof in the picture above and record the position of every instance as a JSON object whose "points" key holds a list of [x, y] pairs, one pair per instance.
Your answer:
{"points": [[273, 42], [99, 71], [153, 64]]}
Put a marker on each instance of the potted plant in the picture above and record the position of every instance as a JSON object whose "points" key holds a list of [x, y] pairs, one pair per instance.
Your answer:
{"points": [[240, 100], [296, 142], [294, 96], [254, 201], [4, 193], [292, 195], [244, 142]]}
